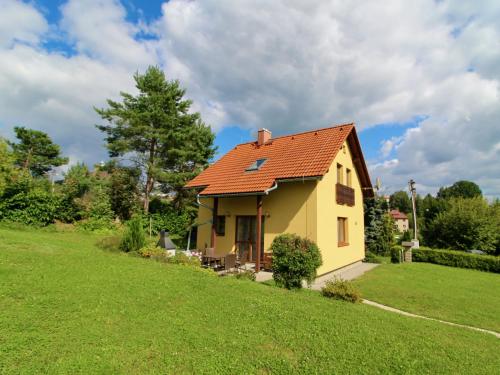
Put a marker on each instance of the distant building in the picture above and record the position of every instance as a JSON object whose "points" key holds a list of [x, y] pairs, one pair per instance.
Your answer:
{"points": [[400, 219]]}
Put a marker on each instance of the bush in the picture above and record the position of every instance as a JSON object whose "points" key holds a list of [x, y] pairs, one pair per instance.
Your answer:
{"points": [[466, 224], [342, 290], [134, 238], [183, 259], [372, 258], [36, 207], [396, 254], [294, 259], [460, 259], [152, 251]]}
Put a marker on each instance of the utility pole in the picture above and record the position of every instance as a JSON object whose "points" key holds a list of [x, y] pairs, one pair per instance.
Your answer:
{"points": [[413, 192]]}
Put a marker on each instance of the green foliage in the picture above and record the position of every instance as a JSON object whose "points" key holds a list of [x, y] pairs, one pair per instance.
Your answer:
{"points": [[169, 143], [379, 227], [396, 254], [459, 259], [294, 259], [467, 224], [400, 201], [342, 290], [36, 152], [460, 189], [164, 216], [133, 238], [8, 171], [35, 207], [151, 250], [372, 258]]}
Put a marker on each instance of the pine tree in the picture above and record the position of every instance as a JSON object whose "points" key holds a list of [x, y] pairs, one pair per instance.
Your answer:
{"points": [[156, 128]]}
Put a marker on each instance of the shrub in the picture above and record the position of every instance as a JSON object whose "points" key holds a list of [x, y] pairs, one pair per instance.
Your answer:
{"points": [[36, 207], [460, 259], [396, 254], [342, 290], [183, 259], [133, 238], [294, 259], [246, 275], [372, 258], [466, 224], [152, 251]]}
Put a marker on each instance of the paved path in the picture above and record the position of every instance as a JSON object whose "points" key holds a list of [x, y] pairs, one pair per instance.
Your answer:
{"points": [[350, 272], [392, 309]]}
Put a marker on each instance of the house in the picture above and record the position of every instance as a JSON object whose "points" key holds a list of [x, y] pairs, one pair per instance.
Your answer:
{"points": [[400, 219], [311, 183]]}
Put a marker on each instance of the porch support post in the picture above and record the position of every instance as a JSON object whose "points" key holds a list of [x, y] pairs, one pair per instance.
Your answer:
{"points": [[259, 233], [214, 222]]}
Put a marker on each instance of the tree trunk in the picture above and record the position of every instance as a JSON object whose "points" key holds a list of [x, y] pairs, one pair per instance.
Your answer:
{"points": [[150, 181]]}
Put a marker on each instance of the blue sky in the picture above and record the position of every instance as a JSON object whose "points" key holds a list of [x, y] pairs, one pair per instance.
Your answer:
{"points": [[420, 80]]}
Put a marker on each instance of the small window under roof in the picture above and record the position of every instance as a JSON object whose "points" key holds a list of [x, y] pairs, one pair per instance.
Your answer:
{"points": [[256, 165]]}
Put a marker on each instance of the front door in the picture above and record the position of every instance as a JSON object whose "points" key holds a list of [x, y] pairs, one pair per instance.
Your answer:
{"points": [[246, 236]]}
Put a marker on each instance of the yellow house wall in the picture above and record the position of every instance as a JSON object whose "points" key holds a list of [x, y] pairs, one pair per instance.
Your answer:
{"points": [[307, 208], [335, 257], [289, 209]]}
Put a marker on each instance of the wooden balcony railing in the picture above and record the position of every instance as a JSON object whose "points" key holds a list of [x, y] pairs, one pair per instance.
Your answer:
{"points": [[345, 195]]}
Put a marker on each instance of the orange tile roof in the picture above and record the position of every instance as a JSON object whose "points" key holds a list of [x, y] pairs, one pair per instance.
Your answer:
{"points": [[398, 215], [301, 155]]}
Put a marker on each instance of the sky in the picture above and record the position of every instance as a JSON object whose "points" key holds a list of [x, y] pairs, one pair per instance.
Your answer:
{"points": [[419, 79]]}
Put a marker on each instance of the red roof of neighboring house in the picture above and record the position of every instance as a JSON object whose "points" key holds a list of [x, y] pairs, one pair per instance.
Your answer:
{"points": [[301, 155], [398, 215]]}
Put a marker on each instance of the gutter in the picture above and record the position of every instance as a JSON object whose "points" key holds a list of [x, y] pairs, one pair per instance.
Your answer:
{"points": [[229, 195]]}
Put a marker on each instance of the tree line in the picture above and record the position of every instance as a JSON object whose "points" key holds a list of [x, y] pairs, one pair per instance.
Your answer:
{"points": [[155, 144], [458, 217]]}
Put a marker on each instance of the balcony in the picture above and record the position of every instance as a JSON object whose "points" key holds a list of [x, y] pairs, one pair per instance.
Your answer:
{"points": [[345, 195]]}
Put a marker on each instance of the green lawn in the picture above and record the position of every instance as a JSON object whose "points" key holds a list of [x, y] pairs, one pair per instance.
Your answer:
{"points": [[454, 294], [68, 307]]}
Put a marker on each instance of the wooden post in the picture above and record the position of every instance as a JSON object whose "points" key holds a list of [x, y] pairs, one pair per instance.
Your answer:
{"points": [[259, 233], [214, 223]]}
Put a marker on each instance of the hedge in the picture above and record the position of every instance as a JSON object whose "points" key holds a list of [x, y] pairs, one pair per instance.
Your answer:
{"points": [[460, 259]]}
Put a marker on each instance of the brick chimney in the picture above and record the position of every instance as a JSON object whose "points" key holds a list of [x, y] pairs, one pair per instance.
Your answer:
{"points": [[263, 136]]}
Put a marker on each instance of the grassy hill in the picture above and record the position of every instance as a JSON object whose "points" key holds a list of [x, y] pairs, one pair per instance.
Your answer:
{"points": [[453, 294], [68, 307]]}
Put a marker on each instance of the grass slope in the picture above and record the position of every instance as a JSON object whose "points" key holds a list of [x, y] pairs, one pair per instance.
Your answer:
{"points": [[68, 307], [454, 294]]}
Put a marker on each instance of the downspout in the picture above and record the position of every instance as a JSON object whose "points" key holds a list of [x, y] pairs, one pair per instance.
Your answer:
{"points": [[201, 204], [274, 187]]}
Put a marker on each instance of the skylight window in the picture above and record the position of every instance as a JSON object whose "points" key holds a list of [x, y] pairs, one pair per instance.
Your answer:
{"points": [[256, 165]]}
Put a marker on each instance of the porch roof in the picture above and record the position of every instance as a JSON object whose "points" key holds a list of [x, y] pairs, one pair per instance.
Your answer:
{"points": [[303, 155]]}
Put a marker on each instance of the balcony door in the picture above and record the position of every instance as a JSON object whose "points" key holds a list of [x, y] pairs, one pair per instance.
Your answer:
{"points": [[246, 236]]}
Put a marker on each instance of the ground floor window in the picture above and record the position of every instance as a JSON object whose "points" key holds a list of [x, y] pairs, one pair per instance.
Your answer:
{"points": [[342, 231], [220, 227]]}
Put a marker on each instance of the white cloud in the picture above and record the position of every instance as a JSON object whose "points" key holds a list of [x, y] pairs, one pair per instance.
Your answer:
{"points": [[20, 22], [286, 65]]}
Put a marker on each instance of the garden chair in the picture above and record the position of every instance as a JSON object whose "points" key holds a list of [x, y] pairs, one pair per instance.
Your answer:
{"points": [[207, 257], [229, 262]]}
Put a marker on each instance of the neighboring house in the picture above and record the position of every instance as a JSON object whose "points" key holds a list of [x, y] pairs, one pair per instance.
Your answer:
{"points": [[310, 183], [400, 219]]}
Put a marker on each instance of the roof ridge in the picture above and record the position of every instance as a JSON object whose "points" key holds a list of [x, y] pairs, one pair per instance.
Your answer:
{"points": [[300, 133], [311, 131]]}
